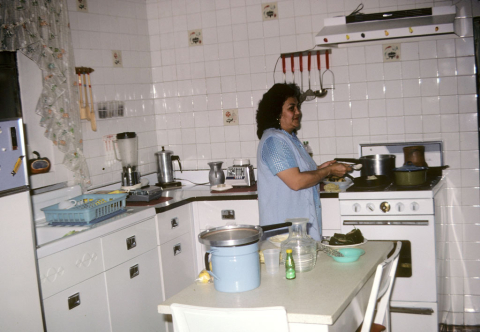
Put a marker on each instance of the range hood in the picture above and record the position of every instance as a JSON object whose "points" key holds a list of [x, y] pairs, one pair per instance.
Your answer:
{"points": [[387, 25]]}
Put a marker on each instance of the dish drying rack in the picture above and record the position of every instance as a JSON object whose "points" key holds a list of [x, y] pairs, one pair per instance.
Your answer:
{"points": [[90, 209]]}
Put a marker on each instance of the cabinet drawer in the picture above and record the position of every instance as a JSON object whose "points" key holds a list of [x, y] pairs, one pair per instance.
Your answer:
{"points": [[134, 289], [69, 267], [128, 243], [173, 223], [82, 307], [210, 213], [177, 264]]}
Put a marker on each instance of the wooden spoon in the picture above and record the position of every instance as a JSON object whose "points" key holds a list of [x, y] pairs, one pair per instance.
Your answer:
{"points": [[87, 107], [83, 111], [92, 110]]}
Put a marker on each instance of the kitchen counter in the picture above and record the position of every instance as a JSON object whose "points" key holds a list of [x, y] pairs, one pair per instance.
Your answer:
{"points": [[322, 296]]}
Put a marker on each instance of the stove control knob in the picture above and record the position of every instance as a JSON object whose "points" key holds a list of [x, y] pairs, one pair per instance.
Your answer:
{"points": [[370, 207], [356, 207], [400, 207], [385, 206], [415, 206]]}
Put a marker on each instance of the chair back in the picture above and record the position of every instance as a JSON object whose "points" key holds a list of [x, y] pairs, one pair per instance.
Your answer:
{"points": [[203, 319], [382, 289]]}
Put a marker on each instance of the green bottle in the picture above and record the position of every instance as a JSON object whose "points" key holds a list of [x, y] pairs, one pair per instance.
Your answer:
{"points": [[289, 265]]}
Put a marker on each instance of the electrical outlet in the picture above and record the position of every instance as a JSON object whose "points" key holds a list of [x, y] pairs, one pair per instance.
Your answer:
{"points": [[228, 214]]}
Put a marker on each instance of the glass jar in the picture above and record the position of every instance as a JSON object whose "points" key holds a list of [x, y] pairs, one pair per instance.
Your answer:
{"points": [[304, 248]]}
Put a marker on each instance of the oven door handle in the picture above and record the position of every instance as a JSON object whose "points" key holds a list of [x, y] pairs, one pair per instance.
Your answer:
{"points": [[414, 311]]}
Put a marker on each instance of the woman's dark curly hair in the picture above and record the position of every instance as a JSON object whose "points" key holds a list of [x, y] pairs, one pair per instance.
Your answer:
{"points": [[270, 107]]}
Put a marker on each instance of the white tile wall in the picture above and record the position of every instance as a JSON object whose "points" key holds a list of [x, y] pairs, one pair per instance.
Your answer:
{"points": [[175, 94]]}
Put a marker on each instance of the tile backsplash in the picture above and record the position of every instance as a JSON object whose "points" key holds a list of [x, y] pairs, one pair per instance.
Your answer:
{"points": [[175, 94]]}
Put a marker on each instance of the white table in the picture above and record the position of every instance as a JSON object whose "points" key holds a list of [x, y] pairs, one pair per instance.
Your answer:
{"points": [[331, 297]]}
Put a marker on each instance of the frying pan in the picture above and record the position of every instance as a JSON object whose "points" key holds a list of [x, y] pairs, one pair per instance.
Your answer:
{"points": [[364, 182]]}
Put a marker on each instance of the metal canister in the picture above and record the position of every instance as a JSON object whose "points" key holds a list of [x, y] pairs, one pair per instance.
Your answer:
{"points": [[165, 165]]}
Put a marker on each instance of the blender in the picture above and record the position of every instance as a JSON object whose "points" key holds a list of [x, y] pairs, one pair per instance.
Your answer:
{"points": [[127, 144]]}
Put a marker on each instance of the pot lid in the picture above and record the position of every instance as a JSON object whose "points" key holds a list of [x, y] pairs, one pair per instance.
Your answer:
{"points": [[409, 167], [164, 151], [230, 235]]}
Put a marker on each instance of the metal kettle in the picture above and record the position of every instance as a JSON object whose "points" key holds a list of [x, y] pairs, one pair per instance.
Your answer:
{"points": [[165, 160]]}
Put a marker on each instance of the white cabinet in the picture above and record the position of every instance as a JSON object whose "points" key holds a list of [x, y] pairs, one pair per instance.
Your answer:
{"points": [[81, 308], [331, 222], [134, 292]]}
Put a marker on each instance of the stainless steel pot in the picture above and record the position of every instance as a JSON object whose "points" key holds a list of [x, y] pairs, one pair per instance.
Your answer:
{"points": [[165, 166], [378, 164]]}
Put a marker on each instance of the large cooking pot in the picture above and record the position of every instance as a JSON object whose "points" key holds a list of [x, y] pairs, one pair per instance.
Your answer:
{"points": [[410, 175], [234, 255], [377, 164]]}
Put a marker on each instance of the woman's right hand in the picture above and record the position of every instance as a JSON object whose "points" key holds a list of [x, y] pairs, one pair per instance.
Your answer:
{"points": [[339, 169]]}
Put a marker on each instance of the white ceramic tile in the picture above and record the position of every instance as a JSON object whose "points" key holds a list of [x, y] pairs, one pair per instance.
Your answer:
{"points": [[248, 132], [376, 90], [467, 103], [359, 109], [358, 91], [328, 146], [309, 129], [376, 108], [225, 50], [468, 122], [239, 32], [447, 86], [361, 127], [469, 159], [410, 69], [217, 134], [395, 125], [373, 54], [218, 150], [338, 57], [357, 73], [446, 48], [428, 68], [341, 91], [427, 49], [465, 65], [326, 128], [374, 72], [343, 127], [229, 100], [344, 145], [201, 120], [342, 110], [411, 88], [464, 47], [413, 124], [393, 89], [430, 105], [378, 126], [448, 104], [356, 55], [466, 85], [449, 123], [409, 51], [394, 107], [429, 86]]}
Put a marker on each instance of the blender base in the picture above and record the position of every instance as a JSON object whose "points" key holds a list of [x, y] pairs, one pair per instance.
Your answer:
{"points": [[170, 185]]}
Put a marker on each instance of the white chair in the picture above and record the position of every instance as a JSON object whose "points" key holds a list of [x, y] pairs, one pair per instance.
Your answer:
{"points": [[203, 319], [381, 289]]}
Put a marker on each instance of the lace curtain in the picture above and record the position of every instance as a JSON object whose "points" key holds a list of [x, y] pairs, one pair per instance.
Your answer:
{"points": [[40, 29]]}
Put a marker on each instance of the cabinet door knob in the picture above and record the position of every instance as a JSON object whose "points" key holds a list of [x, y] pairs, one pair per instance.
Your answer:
{"points": [[177, 249], [73, 301], [134, 271], [131, 242], [174, 222]]}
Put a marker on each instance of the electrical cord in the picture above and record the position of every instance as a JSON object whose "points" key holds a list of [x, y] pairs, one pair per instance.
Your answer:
{"points": [[357, 10], [197, 184]]}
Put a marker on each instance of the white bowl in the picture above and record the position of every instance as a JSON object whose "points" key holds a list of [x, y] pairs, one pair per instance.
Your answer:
{"points": [[342, 185]]}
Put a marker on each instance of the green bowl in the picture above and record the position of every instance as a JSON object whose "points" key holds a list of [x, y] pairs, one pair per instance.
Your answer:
{"points": [[349, 255]]}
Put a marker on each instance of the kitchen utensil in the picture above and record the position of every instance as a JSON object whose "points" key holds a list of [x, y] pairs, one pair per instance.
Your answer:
{"points": [[68, 204], [309, 95], [357, 167], [108, 148], [234, 255], [327, 63], [370, 181], [410, 175], [349, 255], [302, 96], [415, 155], [304, 248], [284, 69], [342, 185], [241, 174], [322, 92], [329, 250], [127, 154], [92, 110], [292, 66], [165, 159], [433, 171], [87, 106], [39, 164], [216, 175], [378, 164], [272, 260], [83, 112]]}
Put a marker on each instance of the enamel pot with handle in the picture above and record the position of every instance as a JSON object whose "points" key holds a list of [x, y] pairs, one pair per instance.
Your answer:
{"points": [[410, 175], [234, 255], [377, 164]]}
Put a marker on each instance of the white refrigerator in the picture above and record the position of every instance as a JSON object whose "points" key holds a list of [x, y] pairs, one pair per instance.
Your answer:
{"points": [[20, 301]]}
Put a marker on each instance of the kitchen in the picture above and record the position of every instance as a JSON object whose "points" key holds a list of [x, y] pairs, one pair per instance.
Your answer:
{"points": [[175, 95]]}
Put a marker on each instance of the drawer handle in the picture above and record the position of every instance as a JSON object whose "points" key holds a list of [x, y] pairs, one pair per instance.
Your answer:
{"points": [[131, 242], [174, 222], [177, 249], [73, 301], [134, 271]]}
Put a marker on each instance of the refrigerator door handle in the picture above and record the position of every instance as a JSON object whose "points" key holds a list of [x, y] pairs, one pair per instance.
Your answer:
{"points": [[414, 311]]}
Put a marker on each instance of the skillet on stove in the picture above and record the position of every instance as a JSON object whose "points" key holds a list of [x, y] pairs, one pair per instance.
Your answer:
{"points": [[364, 182]]}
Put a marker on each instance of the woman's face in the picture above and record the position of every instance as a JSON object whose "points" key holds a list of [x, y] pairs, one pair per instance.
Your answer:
{"points": [[291, 115]]}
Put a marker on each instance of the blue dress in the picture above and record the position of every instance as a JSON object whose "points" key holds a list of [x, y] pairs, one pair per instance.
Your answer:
{"points": [[278, 151]]}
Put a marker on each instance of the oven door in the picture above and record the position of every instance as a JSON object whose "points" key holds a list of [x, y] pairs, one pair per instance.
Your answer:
{"points": [[420, 233]]}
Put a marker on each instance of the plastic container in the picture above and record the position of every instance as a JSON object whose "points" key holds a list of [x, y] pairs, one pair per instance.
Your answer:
{"points": [[304, 248], [349, 255], [89, 209], [272, 260]]}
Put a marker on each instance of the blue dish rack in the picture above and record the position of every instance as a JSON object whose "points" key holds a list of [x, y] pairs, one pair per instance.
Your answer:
{"points": [[90, 209]]}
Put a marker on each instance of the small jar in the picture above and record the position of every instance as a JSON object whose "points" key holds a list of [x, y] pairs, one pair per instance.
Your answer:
{"points": [[304, 248]]}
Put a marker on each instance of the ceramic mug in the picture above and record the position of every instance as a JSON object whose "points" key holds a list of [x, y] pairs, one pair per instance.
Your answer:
{"points": [[68, 204]]}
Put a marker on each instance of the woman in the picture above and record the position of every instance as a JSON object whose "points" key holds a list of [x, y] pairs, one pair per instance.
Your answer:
{"points": [[288, 177]]}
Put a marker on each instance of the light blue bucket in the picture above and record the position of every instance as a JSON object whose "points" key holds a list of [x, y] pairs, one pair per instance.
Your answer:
{"points": [[235, 269]]}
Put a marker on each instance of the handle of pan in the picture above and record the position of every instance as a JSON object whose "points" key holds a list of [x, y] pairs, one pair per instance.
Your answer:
{"points": [[327, 60], [349, 160], [275, 226], [349, 176]]}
